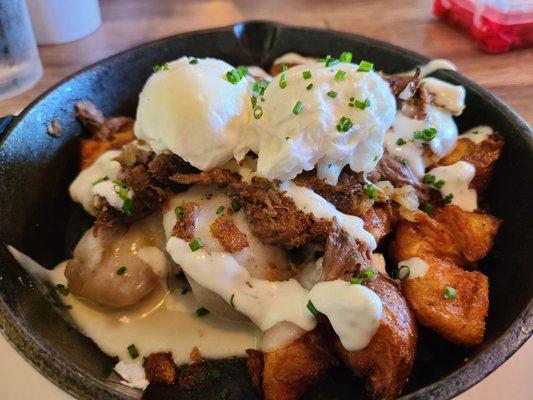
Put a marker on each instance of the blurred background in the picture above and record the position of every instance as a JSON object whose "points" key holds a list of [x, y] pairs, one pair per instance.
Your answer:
{"points": [[487, 40]]}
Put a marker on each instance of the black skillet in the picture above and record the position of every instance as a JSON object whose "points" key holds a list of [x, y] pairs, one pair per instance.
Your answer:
{"points": [[39, 219]]}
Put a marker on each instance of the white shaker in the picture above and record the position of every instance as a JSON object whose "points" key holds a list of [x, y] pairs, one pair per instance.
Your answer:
{"points": [[62, 21]]}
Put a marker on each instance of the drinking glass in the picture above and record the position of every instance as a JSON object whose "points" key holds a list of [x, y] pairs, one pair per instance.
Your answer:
{"points": [[20, 65]]}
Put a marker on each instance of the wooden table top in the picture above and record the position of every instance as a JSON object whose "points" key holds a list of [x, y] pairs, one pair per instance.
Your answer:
{"points": [[409, 24]]}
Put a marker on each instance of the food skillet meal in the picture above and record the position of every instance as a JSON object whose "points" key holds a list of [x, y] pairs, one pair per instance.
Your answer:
{"points": [[304, 218]]}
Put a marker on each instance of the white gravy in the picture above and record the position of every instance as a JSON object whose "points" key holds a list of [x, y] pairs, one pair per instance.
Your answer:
{"points": [[458, 177], [477, 134], [417, 267]]}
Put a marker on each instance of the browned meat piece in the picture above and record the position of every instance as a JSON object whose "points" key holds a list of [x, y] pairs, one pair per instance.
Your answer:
{"points": [[185, 223], [380, 220], [195, 356], [290, 370], [347, 195], [274, 218], [450, 240], [483, 156], [401, 83], [107, 133], [397, 171], [343, 256], [160, 368], [229, 236], [164, 165], [388, 359], [255, 366]]}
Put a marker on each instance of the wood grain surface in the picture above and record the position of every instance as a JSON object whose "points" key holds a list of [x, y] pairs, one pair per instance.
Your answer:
{"points": [[407, 23]]}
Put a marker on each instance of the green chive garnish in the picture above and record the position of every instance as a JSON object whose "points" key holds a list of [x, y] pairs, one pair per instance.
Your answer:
{"points": [[330, 61], [447, 199], [370, 191], [340, 75], [283, 81], [311, 307], [284, 67], [440, 183], [361, 104], [344, 124], [196, 244], [127, 206], [258, 112], [121, 270], [201, 312], [62, 289], [400, 142], [307, 74], [356, 281], [163, 67], [298, 107], [449, 293], [403, 272], [220, 209], [428, 179], [332, 94], [345, 57], [426, 135], [99, 180], [309, 87], [194, 61], [234, 76], [365, 66], [427, 207], [180, 212], [235, 205], [231, 300], [134, 353]]}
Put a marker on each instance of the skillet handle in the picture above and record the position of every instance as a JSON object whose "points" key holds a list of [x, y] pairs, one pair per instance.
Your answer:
{"points": [[4, 122]]}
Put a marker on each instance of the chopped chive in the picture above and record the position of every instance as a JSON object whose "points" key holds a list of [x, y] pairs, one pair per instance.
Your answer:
{"points": [[427, 207], [363, 277], [449, 293], [440, 183], [62, 289], [298, 107], [242, 70], [180, 212], [283, 81], [159, 68], [339, 76], [368, 273], [345, 57], [194, 61], [235, 205], [307, 74], [427, 134], [370, 191], [356, 281], [400, 142], [201, 312], [447, 199], [231, 300], [362, 104], [258, 112], [403, 272], [287, 138], [132, 349], [234, 76], [311, 307], [375, 158], [220, 209], [365, 66], [330, 61], [344, 125], [332, 94], [403, 161], [100, 180], [196, 244], [284, 67], [121, 270], [428, 179], [254, 101], [309, 87], [127, 206]]}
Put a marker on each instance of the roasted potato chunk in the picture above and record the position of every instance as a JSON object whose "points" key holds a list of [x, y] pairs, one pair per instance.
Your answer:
{"points": [[380, 220], [290, 370], [483, 156], [447, 242], [388, 359]]}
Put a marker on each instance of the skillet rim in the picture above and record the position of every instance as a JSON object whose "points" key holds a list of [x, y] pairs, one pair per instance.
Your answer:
{"points": [[71, 379]]}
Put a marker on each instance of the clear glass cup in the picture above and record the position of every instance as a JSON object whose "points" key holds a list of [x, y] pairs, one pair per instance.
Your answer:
{"points": [[20, 65]]}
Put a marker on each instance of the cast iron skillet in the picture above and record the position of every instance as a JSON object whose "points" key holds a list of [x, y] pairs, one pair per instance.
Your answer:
{"points": [[38, 218]]}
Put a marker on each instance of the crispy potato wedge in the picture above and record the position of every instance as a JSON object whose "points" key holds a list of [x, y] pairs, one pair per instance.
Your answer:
{"points": [[483, 156], [380, 220], [289, 371], [388, 359], [447, 242]]}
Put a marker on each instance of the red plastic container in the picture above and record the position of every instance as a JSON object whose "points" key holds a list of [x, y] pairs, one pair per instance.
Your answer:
{"points": [[496, 25]]}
